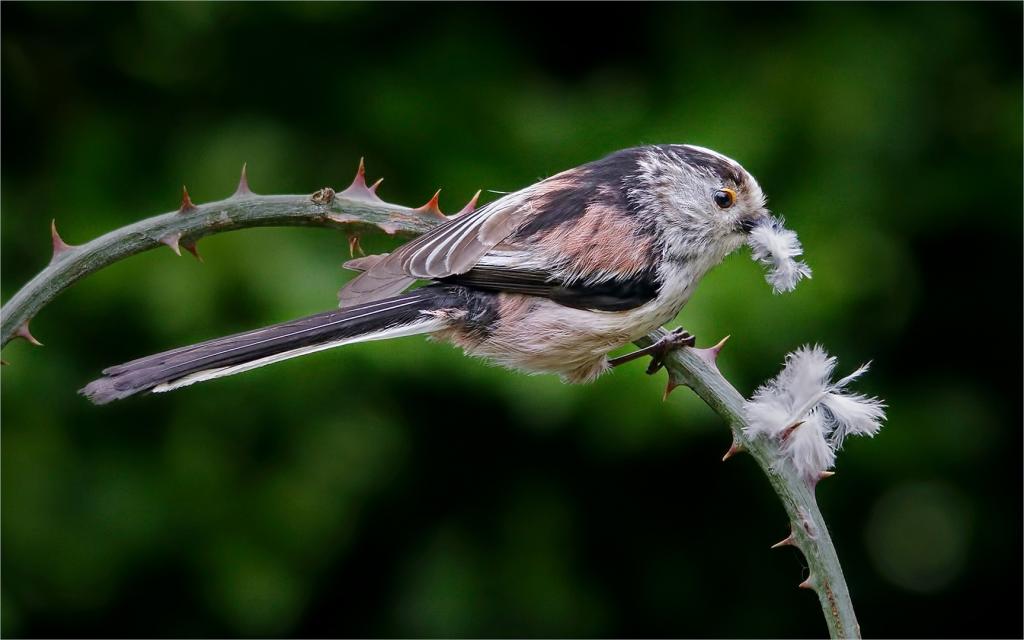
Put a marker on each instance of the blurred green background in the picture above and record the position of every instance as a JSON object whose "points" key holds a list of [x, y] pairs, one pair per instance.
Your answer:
{"points": [[404, 490]]}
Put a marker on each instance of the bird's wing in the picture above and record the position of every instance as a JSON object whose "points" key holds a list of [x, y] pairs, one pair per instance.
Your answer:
{"points": [[452, 248], [457, 245], [610, 294], [557, 238]]}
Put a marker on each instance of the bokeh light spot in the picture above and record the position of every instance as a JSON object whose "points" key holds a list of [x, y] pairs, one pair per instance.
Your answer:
{"points": [[917, 535]]}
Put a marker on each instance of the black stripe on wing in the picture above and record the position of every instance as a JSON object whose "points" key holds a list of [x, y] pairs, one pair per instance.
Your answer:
{"points": [[619, 294]]}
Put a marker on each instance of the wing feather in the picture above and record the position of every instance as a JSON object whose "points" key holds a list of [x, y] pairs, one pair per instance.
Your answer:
{"points": [[614, 294], [548, 228], [452, 248]]}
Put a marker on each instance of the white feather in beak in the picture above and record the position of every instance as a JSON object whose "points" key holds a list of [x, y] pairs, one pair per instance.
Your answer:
{"points": [[776, 247]]}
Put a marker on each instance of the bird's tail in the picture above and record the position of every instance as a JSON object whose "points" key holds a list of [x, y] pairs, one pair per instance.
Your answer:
{"points": [[390, 318]]}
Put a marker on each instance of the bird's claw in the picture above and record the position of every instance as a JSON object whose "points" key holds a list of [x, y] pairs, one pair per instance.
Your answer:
{"points": [[675, 339]]}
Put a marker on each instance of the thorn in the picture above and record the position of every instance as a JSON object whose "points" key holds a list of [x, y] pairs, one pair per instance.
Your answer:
{"points": [[734, 448], [808, 583], [243, 184], [353, 246], [822, 475], [788, 431], [710, 355], [669, 388], [23, 332], [186, 202], [718, 347], [171, 240], [470, 206], [59, 246], [358, 189], [4, 363], [788, 541], [190, 246], [432, 207]]}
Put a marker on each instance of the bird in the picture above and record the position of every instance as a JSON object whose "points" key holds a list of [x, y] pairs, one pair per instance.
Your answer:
{"points": [[546, 280]]}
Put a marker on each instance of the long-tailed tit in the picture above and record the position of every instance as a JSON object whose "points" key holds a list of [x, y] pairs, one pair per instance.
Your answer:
{"points": [[548, 279]]}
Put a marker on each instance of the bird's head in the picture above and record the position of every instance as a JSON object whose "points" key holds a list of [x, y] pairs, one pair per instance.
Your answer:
{"points": [[703, 201]]}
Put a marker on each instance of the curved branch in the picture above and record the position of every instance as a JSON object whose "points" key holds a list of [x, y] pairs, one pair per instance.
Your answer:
{"points": [[357, 210], [183, 228]]}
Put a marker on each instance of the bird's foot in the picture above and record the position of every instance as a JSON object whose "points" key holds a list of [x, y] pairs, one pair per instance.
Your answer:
{"points": [[659, 350]]}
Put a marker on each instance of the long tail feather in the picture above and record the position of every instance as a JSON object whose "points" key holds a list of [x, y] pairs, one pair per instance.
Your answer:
{"points": [[390, 318]]}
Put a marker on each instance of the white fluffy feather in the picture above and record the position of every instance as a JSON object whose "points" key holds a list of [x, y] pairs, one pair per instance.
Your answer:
{"points": [[767, 413], [777, 248], [855, 414], [807, 448], [803, 392]]}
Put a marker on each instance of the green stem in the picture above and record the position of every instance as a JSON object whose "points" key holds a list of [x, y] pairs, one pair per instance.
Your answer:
{"points": [[365, 213], [355, 216], [696, 369]]}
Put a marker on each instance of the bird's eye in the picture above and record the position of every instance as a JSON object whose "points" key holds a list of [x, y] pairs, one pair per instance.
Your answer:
{"points": [[725, 198]]}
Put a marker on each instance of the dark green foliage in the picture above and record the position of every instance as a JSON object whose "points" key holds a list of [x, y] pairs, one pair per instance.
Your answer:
{"points": [[404, 490]]}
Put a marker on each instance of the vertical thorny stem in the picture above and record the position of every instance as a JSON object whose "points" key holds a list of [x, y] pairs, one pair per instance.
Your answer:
{"points": [[696, 369], [358, 210]]}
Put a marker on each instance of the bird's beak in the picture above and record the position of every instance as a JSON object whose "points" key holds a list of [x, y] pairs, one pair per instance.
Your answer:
{"points": [[747, 225]]}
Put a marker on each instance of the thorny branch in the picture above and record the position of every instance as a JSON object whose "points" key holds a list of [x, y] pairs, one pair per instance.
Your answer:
{"points": [[358, 210]]}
